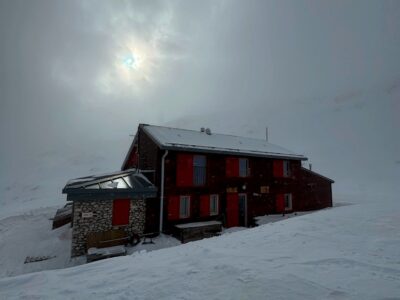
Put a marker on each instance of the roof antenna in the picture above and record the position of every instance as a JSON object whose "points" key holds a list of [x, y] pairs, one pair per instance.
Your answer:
{"points": [[266, 134]]}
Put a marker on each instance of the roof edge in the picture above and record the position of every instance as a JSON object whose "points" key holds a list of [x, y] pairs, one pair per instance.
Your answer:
{"points": [[128, 154], [317, 174], [237, 153]]}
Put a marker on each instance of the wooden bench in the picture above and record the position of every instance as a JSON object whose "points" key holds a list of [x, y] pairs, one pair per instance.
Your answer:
{"points": [[197, 230], [112, 241], [148, 237], [107, 238]]}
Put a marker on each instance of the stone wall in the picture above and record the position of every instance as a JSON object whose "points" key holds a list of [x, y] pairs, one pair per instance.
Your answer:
{"points": [[100, 219]]}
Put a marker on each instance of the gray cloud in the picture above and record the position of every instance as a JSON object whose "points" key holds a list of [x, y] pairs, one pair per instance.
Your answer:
{"points": [[322, 75]]}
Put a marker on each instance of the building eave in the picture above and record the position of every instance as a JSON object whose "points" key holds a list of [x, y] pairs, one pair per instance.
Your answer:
{"points": [[234, 152], [317, 174], [129, 151]]}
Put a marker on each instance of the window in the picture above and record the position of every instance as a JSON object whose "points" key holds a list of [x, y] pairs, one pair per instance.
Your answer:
{"points": [[237, 167], [214, 205], [184, 207], [286, 168], [288, 201], [281, 168], [190, 170], [199, 170], [243, 167]]}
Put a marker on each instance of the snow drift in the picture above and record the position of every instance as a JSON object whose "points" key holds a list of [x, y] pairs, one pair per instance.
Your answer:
{"points": [[350, 251]]}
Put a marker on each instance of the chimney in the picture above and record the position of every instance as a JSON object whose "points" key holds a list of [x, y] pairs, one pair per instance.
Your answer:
{"points": [[208, 131], [266, 134], [310, 165], [202, 129]]}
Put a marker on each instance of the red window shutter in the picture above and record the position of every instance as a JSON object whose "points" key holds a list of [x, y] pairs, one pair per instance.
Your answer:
{"points": [[184, 170], [236, 167], [280, 203], [232, 167], [278, 168], [173, 207], [232, 210], [204, 205], [121, 209]]}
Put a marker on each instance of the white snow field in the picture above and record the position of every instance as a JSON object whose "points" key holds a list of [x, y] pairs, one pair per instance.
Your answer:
{"points": [[351, 251]]}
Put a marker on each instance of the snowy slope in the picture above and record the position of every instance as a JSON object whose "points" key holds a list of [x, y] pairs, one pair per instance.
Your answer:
{"points": [[30, 234], [36, 181], [347, 252]]}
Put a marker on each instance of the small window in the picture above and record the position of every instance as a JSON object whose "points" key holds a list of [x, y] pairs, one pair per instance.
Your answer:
{"points": [[214, 205], [199, 170], [184, 207], [288, 201], [286, 168], [243, 167]]}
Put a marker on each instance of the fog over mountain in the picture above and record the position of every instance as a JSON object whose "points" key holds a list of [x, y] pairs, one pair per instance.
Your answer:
{"points": [[76, 78]]}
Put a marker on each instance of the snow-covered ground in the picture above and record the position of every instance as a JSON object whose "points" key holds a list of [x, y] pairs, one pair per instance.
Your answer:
{"points": [[31, 235], [348, 252]]}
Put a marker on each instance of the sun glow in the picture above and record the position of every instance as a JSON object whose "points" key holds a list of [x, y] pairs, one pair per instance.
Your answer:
{"points": [[133, 68], [134, 61], [129, 61]]}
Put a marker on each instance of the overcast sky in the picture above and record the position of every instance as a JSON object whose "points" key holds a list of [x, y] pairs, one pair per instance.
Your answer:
{"points": [[76, 78]]}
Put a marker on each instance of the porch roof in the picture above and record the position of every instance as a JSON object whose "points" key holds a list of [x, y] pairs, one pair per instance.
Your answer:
{"points": [[122, 184]]}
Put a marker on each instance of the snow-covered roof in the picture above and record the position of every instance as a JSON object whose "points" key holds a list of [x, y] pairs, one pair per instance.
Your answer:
{"points": [[192, 140]]}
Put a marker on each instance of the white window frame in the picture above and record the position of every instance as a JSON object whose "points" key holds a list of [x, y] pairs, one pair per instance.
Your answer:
{"points": [[286, 168], [187, 212], [214, 197], [247, 167], [289, 198]]}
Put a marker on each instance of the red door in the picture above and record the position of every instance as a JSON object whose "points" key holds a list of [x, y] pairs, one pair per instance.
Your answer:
{"points": [[232, 210], [121, 209], [280, 203]]}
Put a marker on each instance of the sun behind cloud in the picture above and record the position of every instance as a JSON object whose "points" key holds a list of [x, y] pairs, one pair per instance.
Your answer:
{"points": [[132, 67]]}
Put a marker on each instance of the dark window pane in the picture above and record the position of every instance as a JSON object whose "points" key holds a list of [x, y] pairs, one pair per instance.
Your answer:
{"points": [[213, 204], [199, 169], [199, 161], [286, 168], [184, 207], [243, 167]]}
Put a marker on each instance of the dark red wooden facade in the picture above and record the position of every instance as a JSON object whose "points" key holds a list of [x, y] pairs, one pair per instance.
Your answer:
{"points": [[266, 187]]}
